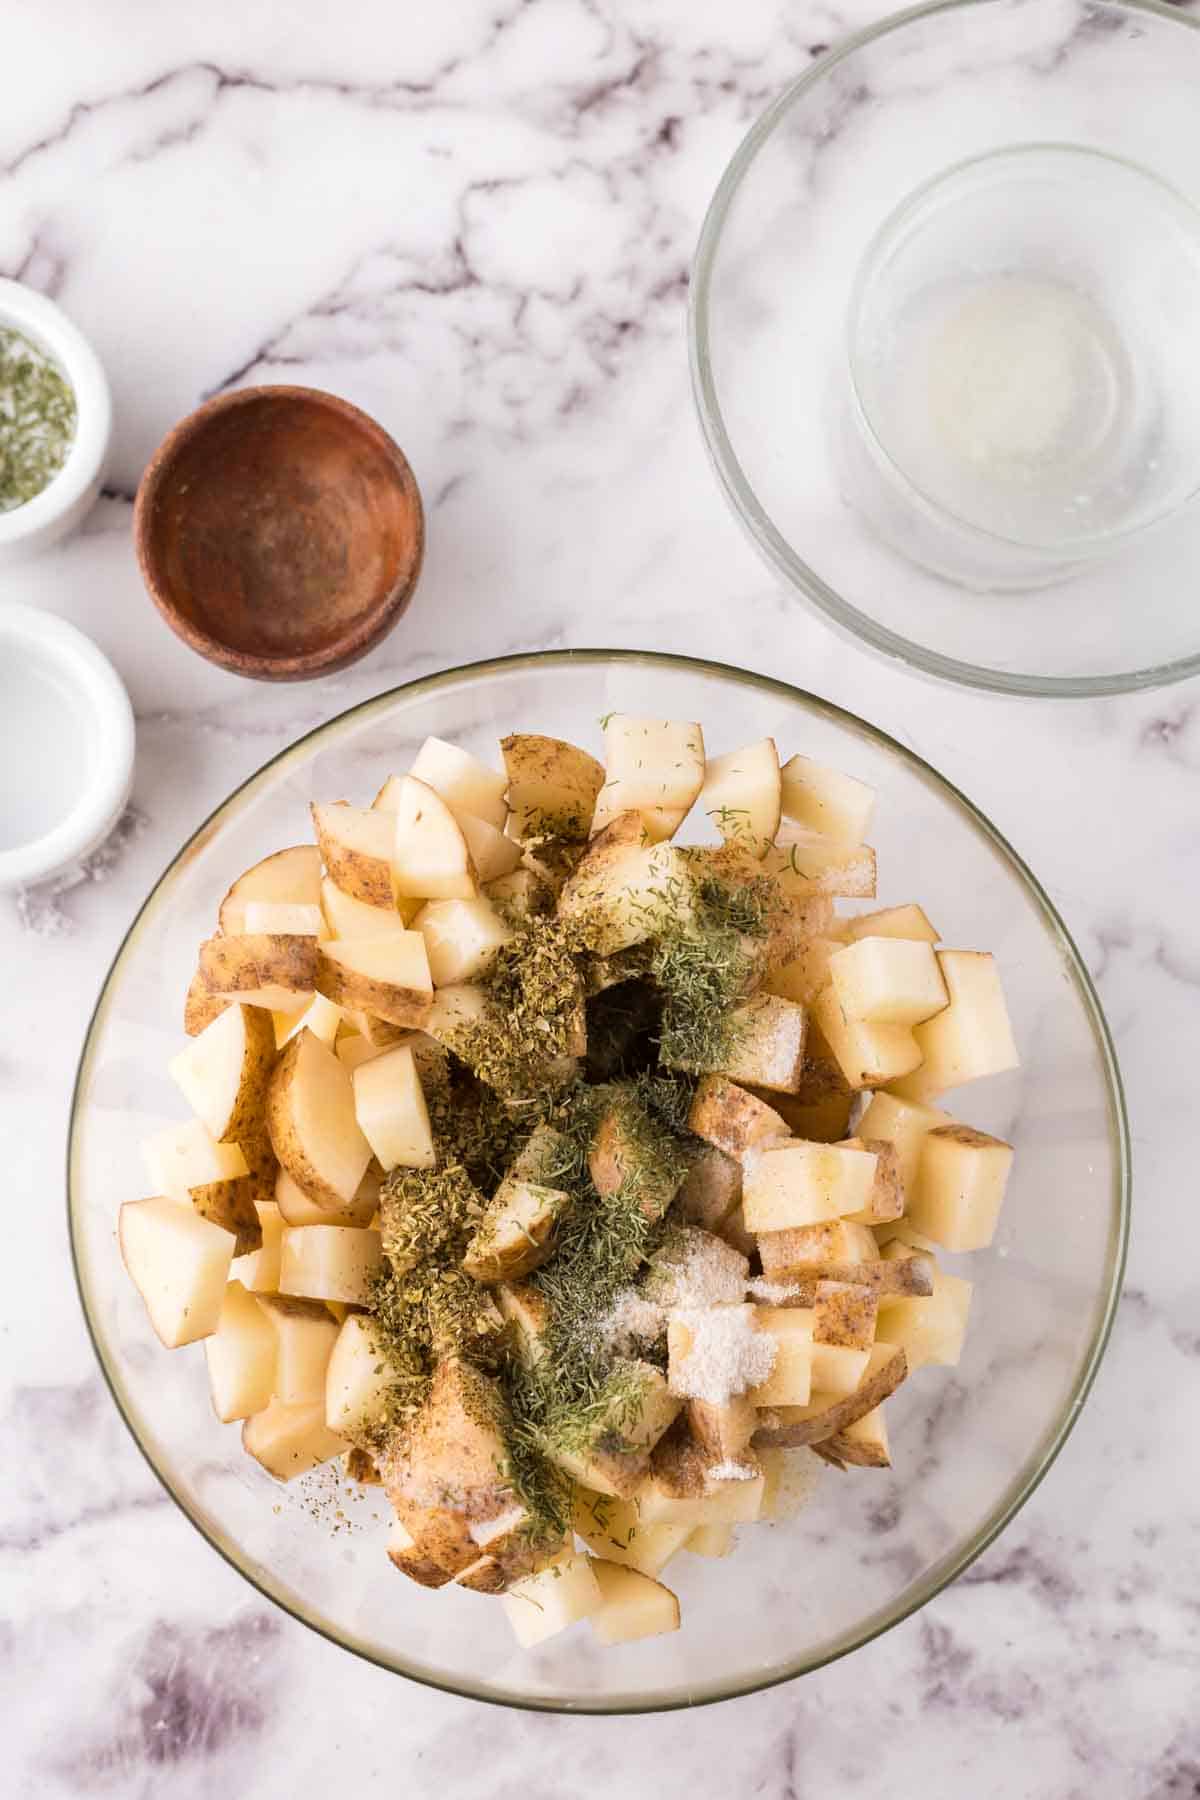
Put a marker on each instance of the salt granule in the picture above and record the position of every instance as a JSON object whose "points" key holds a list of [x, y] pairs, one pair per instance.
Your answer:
{"points": [[728, 1354]]}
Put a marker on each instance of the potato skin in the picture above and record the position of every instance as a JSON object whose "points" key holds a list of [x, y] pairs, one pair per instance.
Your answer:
{"points": [[201, 1006], [735, 1121], [247, 1117], [230, 1204], [400, 1007], [363, 877], [836, 1418], [285, 1142], [303, 864], [551, 777], [235, 965]]}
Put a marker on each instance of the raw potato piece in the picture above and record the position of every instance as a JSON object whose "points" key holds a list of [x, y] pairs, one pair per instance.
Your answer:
{"points": [[888, 981], [790, 1381], [284, 918], [618, 1451], [971, 1037], [494, 855], [868, 1056], [892, 922], [186, 1163], [389, 1103], [329, 1262], [241, 1357], [467, 785], [453, 1011], [616, 1531], [904, 1123], [200, 1006], [223, 1074], [826, 800], [632, 1606], [179, 1263], [290, 1440], [305, 1334], [320, 1016], [387, 978], [654, 767], [292, 877], [959, 1189], [403, 1554], [314, 1133], [796, 1184], [259, 1271], [622, 885], [542, 1605], [462, 938], [430, 859], [552, 786], [357, 846], [272, 971], [741, 794], [929, 1330], [768, 1043], [813, 1424], [863, 1445], [680, 1488], [885, 1201], [712, 1188], [808, 1250], [807, 974], [515, 1236], [357, 1380], [805, 865], [625, 1147], [736, 1122], [351, 918], [295, 1207]]}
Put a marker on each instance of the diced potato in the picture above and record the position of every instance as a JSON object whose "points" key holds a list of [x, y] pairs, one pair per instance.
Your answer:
{"points": [[347, 917], [357, 1380], [525, 1309], [552, 786], [284, 918], [710, 1540], [542, 1605], [790, 1381], [616, 1531], [768, 1043], [304, 1338], [354, 1050], [888, 981], [521, 894], [329, 1262], [241, 1357], [684, 1487], [844, 1316], [868, 1055], [653, 766], [623, 887], [807, 974], [794, 1184], [276, 972], [290, 1440], [430, 859], [494, 855], [864, 1444], [292, 877], [515, 1236], [805, 865], [403, 1554], [732, 1120], [741, 794], [825, 1415], [223, 1073], [187, 1164], [617, 1453], [201, 1006], [632, 1606], [627, 1148], [462, 938], [826, 800], [453, 1011], [821, 1121], [905, 1124], [971, 1037], [389, 1104], [811, 1250], [320, 1016], [258, 1272], [179, 1264], [387, 977], [723, 1431], [357, 845], [837, 1368], [296, 1208], [959, 1189], [885, 1201], [712, 1188], [931, 1329], [467, 785], [892, 922], [314, 1132]]}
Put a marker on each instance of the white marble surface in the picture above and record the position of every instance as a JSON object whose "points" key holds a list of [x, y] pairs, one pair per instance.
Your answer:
{"points": [[476, 221]]}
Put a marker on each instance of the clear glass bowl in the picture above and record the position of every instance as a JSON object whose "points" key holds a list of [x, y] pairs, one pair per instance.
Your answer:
{"points": [[969, 1444], [814, 190]]}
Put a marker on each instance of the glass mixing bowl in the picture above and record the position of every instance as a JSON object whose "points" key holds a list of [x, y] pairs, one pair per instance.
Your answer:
{"points": [[833, 247], [970, 1444]]}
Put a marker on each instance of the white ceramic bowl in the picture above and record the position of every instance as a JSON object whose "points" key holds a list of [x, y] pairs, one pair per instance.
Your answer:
{"points": [[61, 505], [66, 745]]}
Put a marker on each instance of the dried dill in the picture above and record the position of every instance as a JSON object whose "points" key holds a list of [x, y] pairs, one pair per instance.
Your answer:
{"points": [[703, 965], [534, 1018], [37, 419]]}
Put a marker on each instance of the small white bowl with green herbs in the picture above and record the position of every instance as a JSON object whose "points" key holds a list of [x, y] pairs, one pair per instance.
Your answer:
{"points": [[55, 422]]}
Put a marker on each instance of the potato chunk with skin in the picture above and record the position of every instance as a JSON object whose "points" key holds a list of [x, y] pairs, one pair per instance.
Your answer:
{"points": [[404, 1555], [626, 1150], [467, 785], [187, 1164], [862, 1445], [462, 938], [241, 1357], [809, 1249], [805, 865], [711, 1189], [905, 1124], [305, 1333], [347, 917], [295, 1207], [892, 922], [790, 1381], [885, 1201], [320, 1016], [807, 973], [290, 1440], [826, 800], [276, 972], [516, 1233], [623, 887], [652, 765], [552, 786], [310, 1115], [868, 1055], [616, 1531], [329, 1262], [258, 1272], [430, 859], [767, 1045], [826, 1415], [632, 1606], [540, 1606], [741, 794], [223, 1073], [179, 1263], [290, 876], [388, 978], [616, 1454], [969, 1038], [736, 1122], [795, 1184], [888, 981], [357, 1379], [356, 845], [959, 1189], [929, 1329], [389, 1104]]}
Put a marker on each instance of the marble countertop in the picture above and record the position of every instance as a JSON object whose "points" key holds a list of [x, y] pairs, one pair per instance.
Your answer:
{"points": [[476, 221]]}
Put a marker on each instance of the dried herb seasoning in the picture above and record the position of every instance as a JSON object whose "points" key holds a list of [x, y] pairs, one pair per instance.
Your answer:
{"points": [[37, 419]]}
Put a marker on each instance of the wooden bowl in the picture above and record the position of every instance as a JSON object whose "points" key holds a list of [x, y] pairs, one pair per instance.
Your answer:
{"points": [[280, 532]]}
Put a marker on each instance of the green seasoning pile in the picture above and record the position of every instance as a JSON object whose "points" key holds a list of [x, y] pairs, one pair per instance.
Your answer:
{"points": [[37, 419]]}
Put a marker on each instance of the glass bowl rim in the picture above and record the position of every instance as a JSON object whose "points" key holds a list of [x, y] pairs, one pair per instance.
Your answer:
{"points": [[1085, 990], [772, 545]]}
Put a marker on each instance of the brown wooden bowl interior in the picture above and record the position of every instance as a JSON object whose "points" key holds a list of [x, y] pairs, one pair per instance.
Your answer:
{"points": [[280, 532]]}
